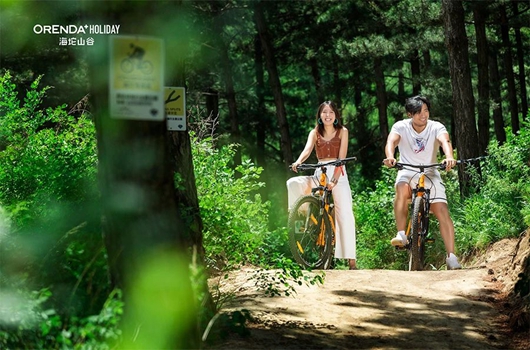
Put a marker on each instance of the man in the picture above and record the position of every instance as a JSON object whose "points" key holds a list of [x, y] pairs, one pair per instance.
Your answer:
{"points": [[418, 140]]}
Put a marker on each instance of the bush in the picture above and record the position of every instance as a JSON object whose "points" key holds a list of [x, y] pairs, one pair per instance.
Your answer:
{"points": [[234, 216], [500, 208]]}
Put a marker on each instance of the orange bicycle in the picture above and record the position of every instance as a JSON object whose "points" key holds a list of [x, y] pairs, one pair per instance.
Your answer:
{"points": [[311, 222], [418, 225]]}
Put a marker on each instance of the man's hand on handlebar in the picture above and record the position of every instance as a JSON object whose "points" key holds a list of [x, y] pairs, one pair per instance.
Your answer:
{"points": [[389, 162], [449, 163]]}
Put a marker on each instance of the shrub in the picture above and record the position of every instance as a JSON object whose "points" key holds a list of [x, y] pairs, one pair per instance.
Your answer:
{"points": [[234, 216]]}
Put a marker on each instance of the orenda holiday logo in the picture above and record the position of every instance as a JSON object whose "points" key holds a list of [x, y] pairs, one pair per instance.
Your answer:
{"points": [[75, 29]]}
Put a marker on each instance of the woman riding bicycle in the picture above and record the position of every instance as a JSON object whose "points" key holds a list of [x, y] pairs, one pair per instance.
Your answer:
{"points": [[330, 140], [418, 140]]}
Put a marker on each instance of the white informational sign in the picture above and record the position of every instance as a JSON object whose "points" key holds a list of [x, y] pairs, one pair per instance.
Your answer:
{"points": [[136, 89], [175, 100]]}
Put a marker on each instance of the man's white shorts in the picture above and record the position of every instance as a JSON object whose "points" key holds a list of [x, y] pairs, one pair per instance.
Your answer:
{"points": [[433, 181]]}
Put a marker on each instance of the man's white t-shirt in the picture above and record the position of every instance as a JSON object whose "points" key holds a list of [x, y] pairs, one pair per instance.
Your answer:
{"points": [[418, 148]]}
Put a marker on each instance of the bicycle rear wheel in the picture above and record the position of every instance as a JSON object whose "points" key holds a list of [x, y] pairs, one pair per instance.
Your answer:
{"points": [[417, 241], [310, 235]]}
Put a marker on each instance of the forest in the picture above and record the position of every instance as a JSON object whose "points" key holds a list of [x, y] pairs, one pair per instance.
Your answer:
{"points": [[110, 223]]}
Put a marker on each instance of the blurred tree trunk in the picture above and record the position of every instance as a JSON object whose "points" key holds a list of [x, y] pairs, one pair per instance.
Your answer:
{"points": [[463, 103], [142, 212], [495, 83], [381, 99], [508, 70], [520, 63], [479, 16], [274, 80]]}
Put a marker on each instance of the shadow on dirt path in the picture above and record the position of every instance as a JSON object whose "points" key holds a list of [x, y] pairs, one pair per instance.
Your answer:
{"points": [[372, 309]]}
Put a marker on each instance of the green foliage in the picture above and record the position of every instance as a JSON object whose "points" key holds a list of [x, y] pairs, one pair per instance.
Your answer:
{"points": [[46, 154], [500, 208], [284, 279], [31, 325], [374, 218], [53, 242], [234, 216]]}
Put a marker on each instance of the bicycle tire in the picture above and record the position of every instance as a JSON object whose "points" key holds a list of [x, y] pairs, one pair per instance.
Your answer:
{"points": [[310, 242], [127, 65], [417, 239], [146, 67]]}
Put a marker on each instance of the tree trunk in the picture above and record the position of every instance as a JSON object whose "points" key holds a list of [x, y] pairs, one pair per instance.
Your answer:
{"points": [[315, 72], [381, 99], [274, 80], [463, 103], [495, 83], [508, 68], [230, 93], [483, 78], [401, 94], [520, 63], [337, 83], [415, 72], [142, 215], [261, 118]]}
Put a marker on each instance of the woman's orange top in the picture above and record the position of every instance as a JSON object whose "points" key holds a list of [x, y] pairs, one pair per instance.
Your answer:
{"points": [[328, 149]]}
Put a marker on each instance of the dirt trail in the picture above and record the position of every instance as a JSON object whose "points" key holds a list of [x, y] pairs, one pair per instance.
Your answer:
{"points": [[377, 309]]}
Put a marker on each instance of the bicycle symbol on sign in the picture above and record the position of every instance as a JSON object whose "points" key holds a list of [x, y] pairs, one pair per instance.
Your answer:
{"points": [[135, 61]]}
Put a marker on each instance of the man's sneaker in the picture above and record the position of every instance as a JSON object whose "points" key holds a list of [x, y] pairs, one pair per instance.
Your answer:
{"points": [[400, 240], [452, 262]]}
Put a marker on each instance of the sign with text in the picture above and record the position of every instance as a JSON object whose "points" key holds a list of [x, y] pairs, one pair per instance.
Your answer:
{"points": [[175, 101], [136, 89]]}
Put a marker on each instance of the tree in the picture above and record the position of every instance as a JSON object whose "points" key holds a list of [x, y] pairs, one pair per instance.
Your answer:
{"points": [[463, 102], [508, 67], [274, 80], [143, 225], [483, 77]]}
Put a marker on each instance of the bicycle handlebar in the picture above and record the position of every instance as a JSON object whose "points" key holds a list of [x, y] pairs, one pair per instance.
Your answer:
{"points": [[400, 166], [337, 162]]}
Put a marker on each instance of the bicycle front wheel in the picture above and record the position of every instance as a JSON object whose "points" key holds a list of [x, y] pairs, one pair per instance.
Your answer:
{"points": [[310, 234], [417, 241]]}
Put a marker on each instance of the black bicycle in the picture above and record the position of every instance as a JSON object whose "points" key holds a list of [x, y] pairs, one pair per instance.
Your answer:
{"points": [[311, 222], [418, 224]]}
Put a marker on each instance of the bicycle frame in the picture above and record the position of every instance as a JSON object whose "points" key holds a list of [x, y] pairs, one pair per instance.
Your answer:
{"points": [[418, 226], [421, 191], [418, 222], [311, 220]]}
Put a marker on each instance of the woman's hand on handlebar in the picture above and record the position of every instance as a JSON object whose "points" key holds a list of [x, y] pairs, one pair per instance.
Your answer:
{"points": [[294, 167], [331, 185], [389, 162]]}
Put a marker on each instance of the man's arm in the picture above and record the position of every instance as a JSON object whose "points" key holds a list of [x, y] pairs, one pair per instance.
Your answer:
{"points": [[391, 143], [447, 148]]}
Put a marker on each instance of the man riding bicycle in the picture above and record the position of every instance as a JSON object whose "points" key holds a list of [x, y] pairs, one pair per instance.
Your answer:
{"points": [[418, 140]]}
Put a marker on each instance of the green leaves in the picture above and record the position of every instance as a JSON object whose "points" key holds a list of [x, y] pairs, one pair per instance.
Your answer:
{"points": [[235, 217]]}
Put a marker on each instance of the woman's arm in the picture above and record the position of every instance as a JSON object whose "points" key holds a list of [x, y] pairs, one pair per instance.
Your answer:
{"points": [[343, 152], [309, 145]]}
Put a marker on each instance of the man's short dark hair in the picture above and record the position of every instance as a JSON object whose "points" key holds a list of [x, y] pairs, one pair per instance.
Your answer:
{"points": [[413, 104]]}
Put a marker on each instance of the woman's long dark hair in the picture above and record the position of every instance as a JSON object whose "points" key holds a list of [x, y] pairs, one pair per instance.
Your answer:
{"points": [[333, 106]]}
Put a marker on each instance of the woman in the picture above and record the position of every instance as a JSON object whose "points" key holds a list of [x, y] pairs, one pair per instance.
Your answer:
{"points": [[330, 140]]}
